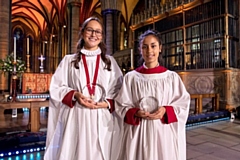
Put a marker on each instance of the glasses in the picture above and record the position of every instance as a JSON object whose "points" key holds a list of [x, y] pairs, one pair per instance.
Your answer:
{"points": [[90, 31]]}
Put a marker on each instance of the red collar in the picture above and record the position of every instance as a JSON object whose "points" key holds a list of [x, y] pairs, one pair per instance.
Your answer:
{"points": [[158, 69]]}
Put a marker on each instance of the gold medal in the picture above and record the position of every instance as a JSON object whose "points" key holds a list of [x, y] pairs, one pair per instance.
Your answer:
{"points": [[92, 97]]}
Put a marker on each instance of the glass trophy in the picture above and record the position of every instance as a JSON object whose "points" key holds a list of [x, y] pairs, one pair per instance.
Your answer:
{"points": [[149, 104], [99, 92]]}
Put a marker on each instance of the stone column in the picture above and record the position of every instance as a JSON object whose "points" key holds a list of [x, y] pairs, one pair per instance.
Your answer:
{"points": [[73, 25], [131, 39], [111, 21], [226, 38], [59, 52], [5, 37]]}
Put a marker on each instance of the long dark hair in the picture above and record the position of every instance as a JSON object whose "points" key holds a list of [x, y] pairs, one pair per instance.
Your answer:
{"points": [[157, 35], [101, 45]]}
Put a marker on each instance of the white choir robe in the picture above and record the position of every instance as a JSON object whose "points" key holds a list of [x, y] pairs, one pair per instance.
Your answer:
{"points": [[75, 132], [153, 139]]}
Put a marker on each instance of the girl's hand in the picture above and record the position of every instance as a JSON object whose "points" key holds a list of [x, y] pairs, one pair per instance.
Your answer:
{"points": [[88, 103], [142, 114], [158, 114], [101, 104], [84, 101]]}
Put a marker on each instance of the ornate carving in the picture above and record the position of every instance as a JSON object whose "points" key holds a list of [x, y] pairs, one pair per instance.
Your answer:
{"points": [[203, 85], [225, 82]]}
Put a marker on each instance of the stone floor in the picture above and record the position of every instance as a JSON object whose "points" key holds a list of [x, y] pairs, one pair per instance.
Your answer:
{"points": [[209, 141], [214, 141]]}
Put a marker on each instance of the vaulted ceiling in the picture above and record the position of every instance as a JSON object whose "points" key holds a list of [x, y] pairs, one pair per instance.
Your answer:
{"points": [[43, 16]]}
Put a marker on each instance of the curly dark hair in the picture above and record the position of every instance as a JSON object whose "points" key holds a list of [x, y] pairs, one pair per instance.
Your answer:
{"points": [[102, 45], [157, 35]]}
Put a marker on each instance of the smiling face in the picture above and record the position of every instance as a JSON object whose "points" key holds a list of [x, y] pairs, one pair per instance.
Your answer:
{"points": [[150, 49], [92, 35]]}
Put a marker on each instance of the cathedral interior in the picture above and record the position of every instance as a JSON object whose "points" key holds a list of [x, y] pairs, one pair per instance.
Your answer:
{"points": [[200, 43]]}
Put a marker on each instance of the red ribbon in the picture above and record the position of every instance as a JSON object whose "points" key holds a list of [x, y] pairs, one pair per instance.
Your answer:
{"points": [[91, 90]]}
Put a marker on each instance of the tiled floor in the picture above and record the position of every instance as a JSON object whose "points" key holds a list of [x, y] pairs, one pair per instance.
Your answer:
{"points": [[211, 141], [214, 141]]}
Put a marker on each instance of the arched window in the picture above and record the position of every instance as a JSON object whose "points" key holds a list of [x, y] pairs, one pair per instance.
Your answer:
{"points": [[18, 33]]}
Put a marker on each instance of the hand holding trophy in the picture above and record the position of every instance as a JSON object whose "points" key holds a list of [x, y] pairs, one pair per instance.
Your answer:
{"points": [[148, 104], [94, 92], [151, 109], [94, 95]]}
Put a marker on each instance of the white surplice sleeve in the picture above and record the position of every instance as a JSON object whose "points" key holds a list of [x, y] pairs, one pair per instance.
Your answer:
{"points": [[59, 85], [179, 99], [115, 82], [124, 100], [58, 89]]}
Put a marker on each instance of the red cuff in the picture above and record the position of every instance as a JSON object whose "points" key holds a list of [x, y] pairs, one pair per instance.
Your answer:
{"points": [[130, 117], [169, 116], [68, 99], [112, 106]]}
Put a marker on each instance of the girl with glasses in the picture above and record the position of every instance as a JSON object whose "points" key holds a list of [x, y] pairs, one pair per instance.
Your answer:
{"points": [[82, 124]]}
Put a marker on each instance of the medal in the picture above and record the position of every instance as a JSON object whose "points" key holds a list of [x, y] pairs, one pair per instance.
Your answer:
{"points": [[92, 97]]}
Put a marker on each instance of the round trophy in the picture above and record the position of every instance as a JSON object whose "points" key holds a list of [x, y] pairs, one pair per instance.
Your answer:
{"points": [[149, 104], [94, 92]]}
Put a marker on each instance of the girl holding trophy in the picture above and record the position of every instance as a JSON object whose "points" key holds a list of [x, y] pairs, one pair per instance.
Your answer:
{"points": [[82, 123], [154, 105]]}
